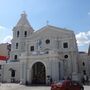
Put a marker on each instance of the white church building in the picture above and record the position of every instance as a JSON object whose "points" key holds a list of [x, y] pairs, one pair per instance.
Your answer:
{"points": [[48, 54]]}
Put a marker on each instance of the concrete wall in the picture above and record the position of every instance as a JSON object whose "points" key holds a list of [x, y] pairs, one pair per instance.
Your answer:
{"points": [[7, 73]]}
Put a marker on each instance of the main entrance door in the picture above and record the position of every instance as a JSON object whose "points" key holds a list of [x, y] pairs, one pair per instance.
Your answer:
{"points": [[38, 73]]}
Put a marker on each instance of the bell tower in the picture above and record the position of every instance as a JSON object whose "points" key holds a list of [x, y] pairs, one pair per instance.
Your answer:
{"points": [[21, 31]]}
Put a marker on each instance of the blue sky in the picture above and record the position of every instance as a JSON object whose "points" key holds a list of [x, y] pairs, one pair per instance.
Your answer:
{"points": [[71, 14]]}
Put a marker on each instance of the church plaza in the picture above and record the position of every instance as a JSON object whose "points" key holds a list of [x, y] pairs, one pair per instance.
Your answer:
{"points": [[13, 86], [9, 86]]}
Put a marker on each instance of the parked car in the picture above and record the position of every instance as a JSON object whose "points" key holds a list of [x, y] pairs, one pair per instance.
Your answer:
{"points": [[67, 85]]}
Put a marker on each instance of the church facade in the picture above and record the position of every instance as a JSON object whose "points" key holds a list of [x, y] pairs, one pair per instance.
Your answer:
{"points": [[47, 55]]}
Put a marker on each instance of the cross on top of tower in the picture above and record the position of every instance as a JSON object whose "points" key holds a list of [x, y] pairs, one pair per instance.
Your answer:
{"points": [[23, 14]]}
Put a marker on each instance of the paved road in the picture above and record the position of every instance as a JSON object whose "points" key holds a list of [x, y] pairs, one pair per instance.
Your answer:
{"points": [[22, 87]]}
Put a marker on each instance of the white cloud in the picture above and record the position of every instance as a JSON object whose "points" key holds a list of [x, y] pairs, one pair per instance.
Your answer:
{"points": [[88, 13], [7, 39], [83, 38], [5, 35], [2, 28]]}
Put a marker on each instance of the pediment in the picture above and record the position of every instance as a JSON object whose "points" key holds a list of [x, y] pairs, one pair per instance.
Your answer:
{"points": [[50, 28], [52, 31]]}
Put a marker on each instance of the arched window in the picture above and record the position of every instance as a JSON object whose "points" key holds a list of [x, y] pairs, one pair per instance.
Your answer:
{"points": [[84, 72], [83, 63], [12, 73], [17, 33], [15, 57], [25, 34], [16, 45], [32, 48]]}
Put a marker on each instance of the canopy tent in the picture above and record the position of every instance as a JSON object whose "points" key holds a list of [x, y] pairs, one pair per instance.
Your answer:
{"points": [[4, 58]]}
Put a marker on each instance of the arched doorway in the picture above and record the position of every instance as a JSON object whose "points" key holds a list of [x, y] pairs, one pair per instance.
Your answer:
{"points": [[38, 73], [12, 74]]}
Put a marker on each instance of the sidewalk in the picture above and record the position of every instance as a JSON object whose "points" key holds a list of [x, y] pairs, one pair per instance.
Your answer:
{"points": [[12, 86]]}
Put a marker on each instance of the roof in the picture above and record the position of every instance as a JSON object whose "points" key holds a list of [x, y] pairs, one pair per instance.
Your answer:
{"points": [[23, 20], [53, 27]]}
